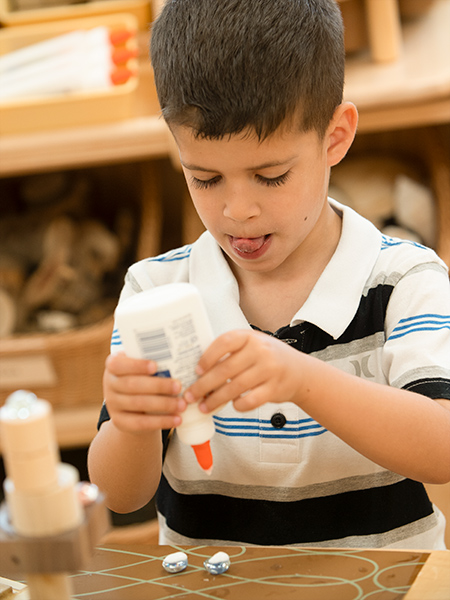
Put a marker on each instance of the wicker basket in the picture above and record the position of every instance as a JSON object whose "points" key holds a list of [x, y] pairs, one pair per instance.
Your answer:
{"points": [[66, 368]]}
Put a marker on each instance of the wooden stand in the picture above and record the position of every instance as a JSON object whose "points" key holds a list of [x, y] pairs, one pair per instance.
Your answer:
{"points": [[383, 19], [45, 523]]}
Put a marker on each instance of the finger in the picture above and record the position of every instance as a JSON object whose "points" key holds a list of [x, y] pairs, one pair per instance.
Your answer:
{"points": [[227, 343], [217, 378], [251, 400], [134, 422], [222, 372], [138, 384], [156, 405], [234, 389], [121, 364]]}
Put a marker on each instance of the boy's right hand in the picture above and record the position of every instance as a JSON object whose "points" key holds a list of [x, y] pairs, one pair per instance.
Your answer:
{"points": [[136, 401]]}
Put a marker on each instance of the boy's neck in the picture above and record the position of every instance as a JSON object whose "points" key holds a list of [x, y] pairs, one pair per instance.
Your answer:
{"points": [[270, 300]]}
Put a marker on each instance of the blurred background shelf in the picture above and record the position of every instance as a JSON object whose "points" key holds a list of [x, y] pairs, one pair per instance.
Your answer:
{"points": [[409, 92]]}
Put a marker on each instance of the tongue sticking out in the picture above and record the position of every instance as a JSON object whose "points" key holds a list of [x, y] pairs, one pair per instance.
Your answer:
{"points": [[248, 245]]}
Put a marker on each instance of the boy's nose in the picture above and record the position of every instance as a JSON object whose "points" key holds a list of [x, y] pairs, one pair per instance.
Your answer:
{"points": [[241, 207]]}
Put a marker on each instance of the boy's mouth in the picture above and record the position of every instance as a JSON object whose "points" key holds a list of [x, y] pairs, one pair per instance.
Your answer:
{"points": [[250, 247]]}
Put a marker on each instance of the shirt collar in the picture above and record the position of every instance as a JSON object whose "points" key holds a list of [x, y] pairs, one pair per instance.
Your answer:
{"points": [[335, 298], [210, 272]]}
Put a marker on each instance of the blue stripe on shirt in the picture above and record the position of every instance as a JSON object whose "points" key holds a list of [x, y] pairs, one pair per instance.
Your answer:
{"points": [[173, 255], [241, 427], [115, 338], [388, 242], [425, 322]]}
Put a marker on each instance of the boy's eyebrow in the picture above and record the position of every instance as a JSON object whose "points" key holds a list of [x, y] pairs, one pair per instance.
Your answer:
{"points": [[267, 165]]}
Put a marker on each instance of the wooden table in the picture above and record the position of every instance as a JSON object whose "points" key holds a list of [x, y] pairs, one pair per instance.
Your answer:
{"points": [[134, 572]]}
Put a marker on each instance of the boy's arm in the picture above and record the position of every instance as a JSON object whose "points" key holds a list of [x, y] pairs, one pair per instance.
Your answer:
{"points": [[400, 430], [125, 457], [126, 466]]}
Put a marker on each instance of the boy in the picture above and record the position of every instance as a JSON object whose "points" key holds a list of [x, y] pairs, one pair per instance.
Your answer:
{"points": [[331, 362]]}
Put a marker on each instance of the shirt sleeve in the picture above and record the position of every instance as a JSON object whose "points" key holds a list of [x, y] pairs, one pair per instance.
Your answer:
{"points": [[417, 349], [104, 416]]}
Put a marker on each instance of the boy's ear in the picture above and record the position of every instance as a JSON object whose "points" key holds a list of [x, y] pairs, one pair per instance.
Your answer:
{"points": [[341, 132]]}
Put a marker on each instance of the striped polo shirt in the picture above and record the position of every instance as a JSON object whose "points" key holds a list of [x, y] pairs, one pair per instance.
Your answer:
{"points": [[381, 311]]}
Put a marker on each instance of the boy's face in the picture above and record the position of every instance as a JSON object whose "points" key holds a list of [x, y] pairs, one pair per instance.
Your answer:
{"points": [[265, 203]]}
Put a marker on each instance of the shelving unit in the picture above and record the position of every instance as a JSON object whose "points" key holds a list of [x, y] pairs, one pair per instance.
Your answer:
{"points": [[413, 91]]}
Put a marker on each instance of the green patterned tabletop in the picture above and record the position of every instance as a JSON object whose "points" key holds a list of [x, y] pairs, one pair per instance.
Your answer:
{"points": [[135, 572]]}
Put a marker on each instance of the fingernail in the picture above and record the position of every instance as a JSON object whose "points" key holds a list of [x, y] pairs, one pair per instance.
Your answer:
{"points": [[151, 367], [199, 370], [189, 397], [203, 407], [181, 406], [176, 387]]}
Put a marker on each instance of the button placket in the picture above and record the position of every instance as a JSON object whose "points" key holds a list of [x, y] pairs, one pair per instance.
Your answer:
{"points": [[278, 420], [278, 443]]}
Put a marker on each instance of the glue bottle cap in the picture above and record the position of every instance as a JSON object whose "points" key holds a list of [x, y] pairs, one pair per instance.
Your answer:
{"points": [[204, 456]]}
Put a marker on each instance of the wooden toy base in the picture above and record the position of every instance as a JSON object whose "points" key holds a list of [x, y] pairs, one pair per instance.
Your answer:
{"points": [[67, 552]]}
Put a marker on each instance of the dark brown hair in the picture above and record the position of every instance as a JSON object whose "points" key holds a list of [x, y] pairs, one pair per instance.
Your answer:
{"points": [[224, 67]]}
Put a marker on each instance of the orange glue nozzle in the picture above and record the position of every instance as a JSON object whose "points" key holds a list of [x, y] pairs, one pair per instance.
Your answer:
{"points": [[204, 456]]}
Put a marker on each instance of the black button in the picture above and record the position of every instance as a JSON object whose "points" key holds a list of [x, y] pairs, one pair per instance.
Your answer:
{"points": [[278, 420]]}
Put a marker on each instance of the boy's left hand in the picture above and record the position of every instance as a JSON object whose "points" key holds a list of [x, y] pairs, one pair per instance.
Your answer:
{"points": [[248, 368]]}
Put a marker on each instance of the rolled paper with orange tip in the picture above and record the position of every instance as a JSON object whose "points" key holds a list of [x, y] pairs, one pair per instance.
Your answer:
{"points": [[79, 61]]}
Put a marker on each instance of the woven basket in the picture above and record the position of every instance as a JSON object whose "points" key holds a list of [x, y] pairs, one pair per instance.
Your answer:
{"points": [[67, 368]]}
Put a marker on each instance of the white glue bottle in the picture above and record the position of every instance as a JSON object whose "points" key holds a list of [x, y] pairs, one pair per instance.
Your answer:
{"points": [[169, 324]]}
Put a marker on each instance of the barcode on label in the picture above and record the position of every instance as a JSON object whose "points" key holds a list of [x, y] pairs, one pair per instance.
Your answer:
{"points": [[154, 345]]}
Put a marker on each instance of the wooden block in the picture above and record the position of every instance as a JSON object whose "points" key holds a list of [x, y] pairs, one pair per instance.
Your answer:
{"points": [[383, 19]]}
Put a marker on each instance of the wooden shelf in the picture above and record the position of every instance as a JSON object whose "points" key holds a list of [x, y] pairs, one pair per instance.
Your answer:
{"points": [[413, 91], [144, 136]]}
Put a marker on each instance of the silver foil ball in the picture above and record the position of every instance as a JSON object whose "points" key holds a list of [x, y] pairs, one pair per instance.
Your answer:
{"points": [[176, 562], [217, 564]]}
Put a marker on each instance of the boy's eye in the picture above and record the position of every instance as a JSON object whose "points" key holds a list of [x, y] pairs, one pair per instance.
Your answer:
{"points": [[273, 181], [204, 184]]}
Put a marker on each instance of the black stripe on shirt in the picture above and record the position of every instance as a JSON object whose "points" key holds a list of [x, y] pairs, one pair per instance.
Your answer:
{"points": [[435, 388], [357, 513], [369, 319], [104, 416]]}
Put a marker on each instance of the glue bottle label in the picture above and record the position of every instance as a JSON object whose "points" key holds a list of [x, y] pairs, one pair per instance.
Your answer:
{"points": [[175, 348]]}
